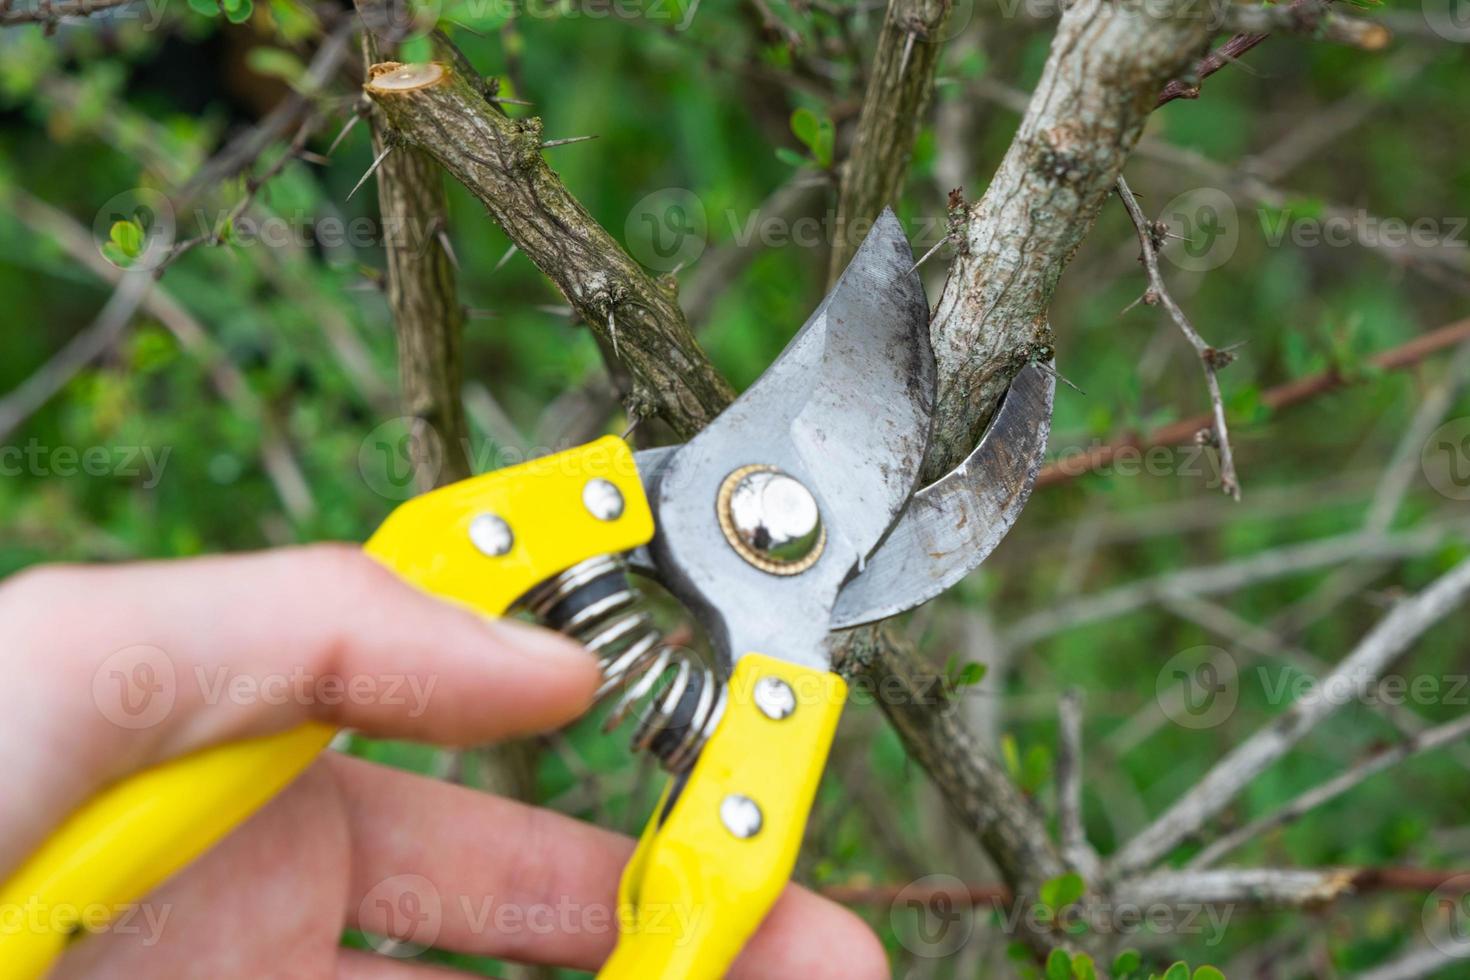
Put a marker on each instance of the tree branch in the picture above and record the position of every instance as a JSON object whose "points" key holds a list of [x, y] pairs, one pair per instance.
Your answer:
{"points": [[1385, 642], [500, 161], [898, 94]]}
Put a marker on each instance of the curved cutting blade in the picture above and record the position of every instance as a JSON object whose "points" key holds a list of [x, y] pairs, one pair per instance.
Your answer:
{"points": [[846, 409], [953, 524]]}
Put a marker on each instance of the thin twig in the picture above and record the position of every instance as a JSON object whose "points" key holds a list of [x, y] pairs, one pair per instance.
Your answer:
{"points": [[1211, 358]]}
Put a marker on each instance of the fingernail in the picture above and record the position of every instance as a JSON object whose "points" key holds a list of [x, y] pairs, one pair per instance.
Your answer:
{"points": [[541, 644]]}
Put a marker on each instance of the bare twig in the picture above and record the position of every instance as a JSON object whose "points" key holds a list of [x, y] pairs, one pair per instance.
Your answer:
{"points": [[1379, 648], [1150, 234], [54, 11], [1075, 847], [1282, 396], [1380, 760]]}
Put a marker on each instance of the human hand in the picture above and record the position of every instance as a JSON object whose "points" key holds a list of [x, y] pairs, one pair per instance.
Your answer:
{"points": [[237, 647]]}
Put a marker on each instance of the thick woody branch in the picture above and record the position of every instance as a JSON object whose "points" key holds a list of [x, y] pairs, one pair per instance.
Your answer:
{"points": [[1108, 63], [427, 316], [898, 94], [500, 160]]}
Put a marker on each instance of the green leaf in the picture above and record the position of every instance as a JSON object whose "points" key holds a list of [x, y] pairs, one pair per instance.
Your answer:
{"points": [[816, 133], [209, 8], [1125, 963], [1012, 756], [128, 237], [1063, 890], [112, 253], [275, 63], [241, 13], [970, 674], [1083, 968], [1059, 965], [790, 157], [1208, 973], [1179, 971]]}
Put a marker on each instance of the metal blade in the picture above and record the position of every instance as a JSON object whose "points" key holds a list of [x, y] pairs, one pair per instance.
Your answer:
{"points": [[846, 410], [953, 524]]}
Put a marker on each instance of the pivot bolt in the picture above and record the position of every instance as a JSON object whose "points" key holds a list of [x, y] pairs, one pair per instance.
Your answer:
{"points": [[774, 698], [771, 520], [602, 500], [491, 535], [740, 815]]}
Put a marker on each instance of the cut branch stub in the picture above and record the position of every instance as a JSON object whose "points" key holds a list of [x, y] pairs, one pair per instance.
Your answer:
{"points": [[499, 160]]}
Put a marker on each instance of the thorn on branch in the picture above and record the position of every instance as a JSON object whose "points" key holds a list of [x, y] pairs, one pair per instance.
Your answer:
{"points": [[563, 142], [370, 170]]}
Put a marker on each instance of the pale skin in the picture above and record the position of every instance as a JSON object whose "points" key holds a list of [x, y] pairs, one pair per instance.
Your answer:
{"points": [[273, 898]]}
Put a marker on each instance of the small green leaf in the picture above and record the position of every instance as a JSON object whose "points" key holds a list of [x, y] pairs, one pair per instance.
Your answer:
{"points": [[115, 255], [1063, 890], [1083, 968], [275, 63], [1125, 963], [241, 13], [127, 236], [816, 133], [1179, 971], [1012, 756], [790, 157], [970, 674], [1059, 965], [209, 8], [1208, 973]]}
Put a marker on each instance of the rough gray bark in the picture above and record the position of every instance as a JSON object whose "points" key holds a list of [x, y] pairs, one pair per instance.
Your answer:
{"points": [[500, 161], [902, 82]]}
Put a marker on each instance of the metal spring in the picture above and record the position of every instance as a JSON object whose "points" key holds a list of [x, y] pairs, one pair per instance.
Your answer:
{"points": [[681, 699]]}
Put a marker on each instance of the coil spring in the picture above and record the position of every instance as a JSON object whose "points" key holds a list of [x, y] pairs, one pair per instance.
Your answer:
{"points": [[680, 700]]}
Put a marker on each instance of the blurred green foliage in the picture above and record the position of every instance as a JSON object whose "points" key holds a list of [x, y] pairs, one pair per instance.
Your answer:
{"points": [[725, 110]]}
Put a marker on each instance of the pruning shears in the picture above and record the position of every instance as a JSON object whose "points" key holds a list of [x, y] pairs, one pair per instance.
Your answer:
{"points": [[794, 514]]}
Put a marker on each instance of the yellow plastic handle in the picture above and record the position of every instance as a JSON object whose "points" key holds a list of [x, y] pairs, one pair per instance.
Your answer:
{"points": [[133, 836], [701, 882]]}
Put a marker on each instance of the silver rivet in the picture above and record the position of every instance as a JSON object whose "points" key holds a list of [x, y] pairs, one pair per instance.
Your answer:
{"points": [[774, 698], [602, 500], [770, 519], [491, 535], [740, 815]]}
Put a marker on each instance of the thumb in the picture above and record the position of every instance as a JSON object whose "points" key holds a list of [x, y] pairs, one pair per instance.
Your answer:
{"points": [[161, 658]]}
